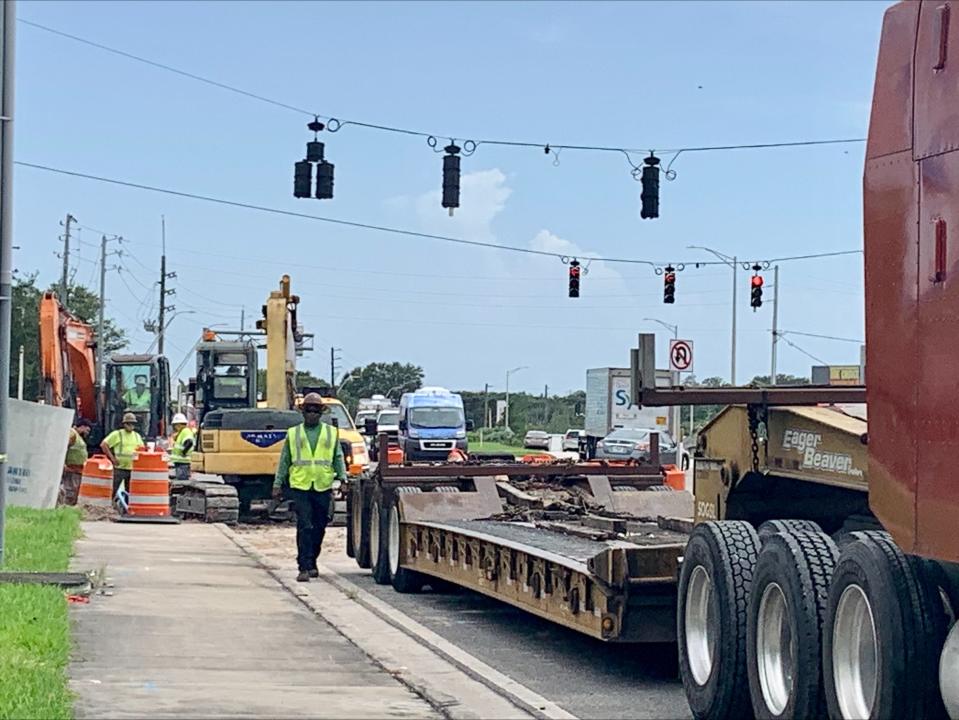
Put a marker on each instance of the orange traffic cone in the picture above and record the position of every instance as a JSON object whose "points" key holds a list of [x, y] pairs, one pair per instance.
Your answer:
{"points": [[149, 491]]}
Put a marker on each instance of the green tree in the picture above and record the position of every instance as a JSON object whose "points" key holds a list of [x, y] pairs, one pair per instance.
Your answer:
{"points": [[25, 332], [781, 379], [85, 304], [390, 379]]}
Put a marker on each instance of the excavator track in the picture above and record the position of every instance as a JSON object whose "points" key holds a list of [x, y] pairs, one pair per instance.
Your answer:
{"points": [[209, 501]]}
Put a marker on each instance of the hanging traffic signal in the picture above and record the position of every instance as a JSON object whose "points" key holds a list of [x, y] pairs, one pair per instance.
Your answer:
{"points": [[669, 285], [303, 170], [756, 289], [574, 273], [302, 179], [451, 177], [650, 193]]}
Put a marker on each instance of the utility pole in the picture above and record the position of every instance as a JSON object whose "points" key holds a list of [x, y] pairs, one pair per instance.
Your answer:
{"points": [[65, 277], [164, 276], [508, 373], [486, 405], [20, 376], [242, 319], [545, 406], [772, 371], [732, 262], [101, 371], [8, 13], [333, 358]]}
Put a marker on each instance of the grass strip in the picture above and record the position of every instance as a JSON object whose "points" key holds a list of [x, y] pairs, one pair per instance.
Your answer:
{"points": [[34, 626]]}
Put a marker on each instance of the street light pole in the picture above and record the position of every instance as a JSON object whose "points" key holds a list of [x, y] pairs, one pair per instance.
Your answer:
{"points": [[677, 410], [508, 373], [732, 262]]}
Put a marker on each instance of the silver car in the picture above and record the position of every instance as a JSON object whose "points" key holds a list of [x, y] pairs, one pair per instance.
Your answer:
{"points": [[633, 444], [536, 439], [571, 439]]}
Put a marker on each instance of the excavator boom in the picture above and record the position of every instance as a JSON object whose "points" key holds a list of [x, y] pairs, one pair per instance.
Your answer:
{"points": [[67, 359]]}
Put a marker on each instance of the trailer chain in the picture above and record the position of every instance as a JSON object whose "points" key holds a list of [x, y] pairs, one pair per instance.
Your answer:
{"points": [[756, 415]]}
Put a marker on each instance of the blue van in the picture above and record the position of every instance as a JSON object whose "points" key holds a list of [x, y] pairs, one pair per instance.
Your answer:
{"points": [[431, 424]]}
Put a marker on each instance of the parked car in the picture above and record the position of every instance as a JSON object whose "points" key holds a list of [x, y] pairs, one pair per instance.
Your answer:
{"points": [[572, 438], [633, 444], [536, 439], [388, 421]]}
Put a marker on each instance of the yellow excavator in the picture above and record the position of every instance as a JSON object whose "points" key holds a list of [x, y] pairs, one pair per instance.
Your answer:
{"points": [[239, 447]]}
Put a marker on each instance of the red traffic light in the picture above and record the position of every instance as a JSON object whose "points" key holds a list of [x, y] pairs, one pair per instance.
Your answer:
{"points": [[757, 281], [670, 277]]}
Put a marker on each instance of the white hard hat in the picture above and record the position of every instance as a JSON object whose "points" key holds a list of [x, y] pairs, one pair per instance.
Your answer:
{"points": [[179, 419]]}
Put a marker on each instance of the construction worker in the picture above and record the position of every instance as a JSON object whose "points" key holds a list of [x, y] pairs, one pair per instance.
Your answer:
{"points": [[73, 463], [184, 441], [138, 397], [312, 465], [119, 446]]}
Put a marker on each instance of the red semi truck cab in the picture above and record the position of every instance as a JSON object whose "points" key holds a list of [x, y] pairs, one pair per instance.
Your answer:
{"points": [[911, 215]]}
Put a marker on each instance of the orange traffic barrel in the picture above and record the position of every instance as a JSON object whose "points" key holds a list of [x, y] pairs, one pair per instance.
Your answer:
{"points": [[537, 459], [96, 482], [149, 492], [675, 478]]}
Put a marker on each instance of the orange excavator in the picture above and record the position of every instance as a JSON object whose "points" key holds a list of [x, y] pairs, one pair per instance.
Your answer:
{"points": [[70, 377]]}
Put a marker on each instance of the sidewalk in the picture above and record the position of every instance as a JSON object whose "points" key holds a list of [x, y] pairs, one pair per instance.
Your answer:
{"points": [[196, 629]]}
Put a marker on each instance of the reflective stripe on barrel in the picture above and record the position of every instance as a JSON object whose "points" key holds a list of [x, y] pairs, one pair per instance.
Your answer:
{"points": [[149, 492]]}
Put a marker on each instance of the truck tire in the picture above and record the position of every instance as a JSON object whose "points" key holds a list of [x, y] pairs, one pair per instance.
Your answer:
{"points": [[359, 523], [379, 562], [350, 540], [784, 630], [714, 588], [771, 527], [403, 579], [884, 630]]}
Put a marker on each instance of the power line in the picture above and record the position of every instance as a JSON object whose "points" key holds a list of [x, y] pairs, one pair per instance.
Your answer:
{"points": [[794, 345], [334, 124], [384, 228], [822, 337]]}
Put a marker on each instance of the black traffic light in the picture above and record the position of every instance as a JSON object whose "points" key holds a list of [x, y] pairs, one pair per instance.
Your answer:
{"points": [[302, 179], [574, 273], [451, 177], [650, 193], [324, 180], [669, 285], [756, 290]]}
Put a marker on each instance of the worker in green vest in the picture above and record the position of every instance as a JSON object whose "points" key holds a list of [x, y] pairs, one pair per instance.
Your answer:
{"points": [[138, 397], [312, 465], [73, 463], [119, 446], [184, 441]]}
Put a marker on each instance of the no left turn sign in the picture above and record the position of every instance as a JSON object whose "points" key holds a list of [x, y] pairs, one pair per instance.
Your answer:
{"points": [[681, 355]]}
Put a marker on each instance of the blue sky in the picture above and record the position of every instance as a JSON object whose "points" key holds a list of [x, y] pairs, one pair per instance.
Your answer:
{"points": [[657, 75]]}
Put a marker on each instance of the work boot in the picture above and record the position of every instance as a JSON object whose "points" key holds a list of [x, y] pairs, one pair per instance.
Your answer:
{"points": [[314, 573], [303, 576]]}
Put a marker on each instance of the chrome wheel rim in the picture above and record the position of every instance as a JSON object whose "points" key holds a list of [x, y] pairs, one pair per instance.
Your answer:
{"points": [[775, 649], [855, 653], [375, 533], [700, 640], [394, 540]]}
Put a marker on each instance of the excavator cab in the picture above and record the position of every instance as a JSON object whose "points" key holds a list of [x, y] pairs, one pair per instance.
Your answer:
{"points": [[139, 384]]}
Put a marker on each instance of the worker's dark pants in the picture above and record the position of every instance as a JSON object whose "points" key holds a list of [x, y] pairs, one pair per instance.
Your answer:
{"points": [[312, 514], [120, 476]]}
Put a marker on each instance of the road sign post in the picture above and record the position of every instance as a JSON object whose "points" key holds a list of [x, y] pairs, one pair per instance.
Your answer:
{"points": [[681, 356]]}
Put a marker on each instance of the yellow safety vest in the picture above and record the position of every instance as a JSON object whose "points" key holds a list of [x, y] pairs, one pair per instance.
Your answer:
{"points": [[123, 444], [178, 454], [312, 468], [76, 451]]}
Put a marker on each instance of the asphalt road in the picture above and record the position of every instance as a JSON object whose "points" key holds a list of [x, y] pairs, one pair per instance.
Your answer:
{"points": [[586, 677]]}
